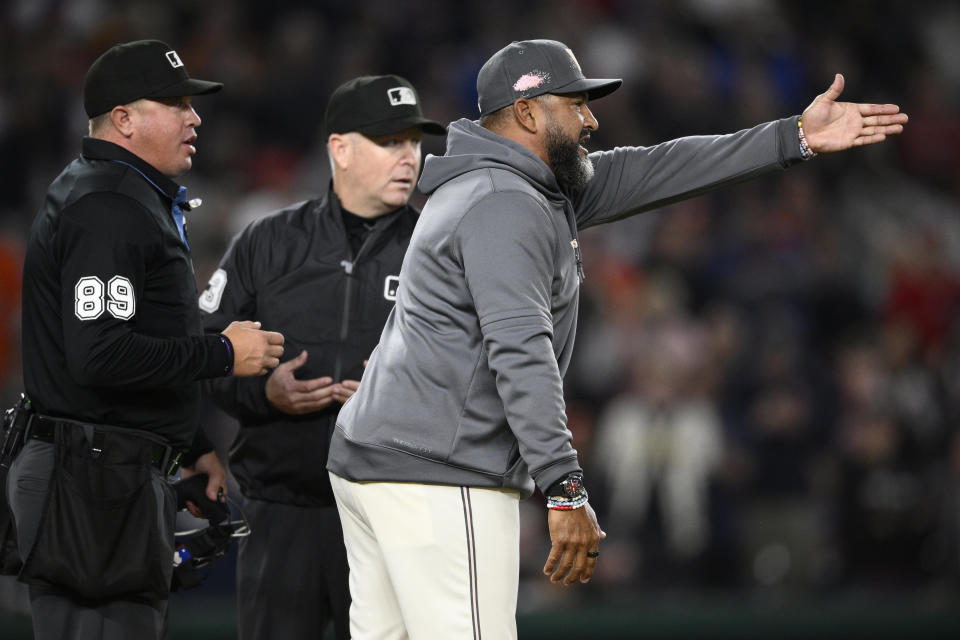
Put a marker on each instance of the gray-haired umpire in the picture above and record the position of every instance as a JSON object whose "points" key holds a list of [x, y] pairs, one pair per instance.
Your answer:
{"points": [[329, 290], [113, 352]]}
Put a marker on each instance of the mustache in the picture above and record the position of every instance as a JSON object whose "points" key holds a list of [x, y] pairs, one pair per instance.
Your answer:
{"points": [[584, 137]]}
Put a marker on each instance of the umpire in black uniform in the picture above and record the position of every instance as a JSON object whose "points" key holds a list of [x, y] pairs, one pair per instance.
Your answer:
{"points": [[113, 352], [325, 273]]}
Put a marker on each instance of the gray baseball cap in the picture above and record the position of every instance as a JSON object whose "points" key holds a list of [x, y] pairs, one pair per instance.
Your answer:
{"points": [[530, 68]]}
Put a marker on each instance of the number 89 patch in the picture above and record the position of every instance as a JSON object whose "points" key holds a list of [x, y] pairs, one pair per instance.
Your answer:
{"points": [[90, 301]]}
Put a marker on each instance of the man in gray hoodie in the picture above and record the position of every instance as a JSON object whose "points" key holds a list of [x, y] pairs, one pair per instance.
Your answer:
{"points": [[460, 413]]}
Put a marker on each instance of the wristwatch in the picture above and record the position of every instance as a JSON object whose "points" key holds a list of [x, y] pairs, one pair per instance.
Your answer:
{"points": [[570, 487]]}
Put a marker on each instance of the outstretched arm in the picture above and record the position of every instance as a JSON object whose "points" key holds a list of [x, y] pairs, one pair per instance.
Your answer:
{"points": [[831, 126]]}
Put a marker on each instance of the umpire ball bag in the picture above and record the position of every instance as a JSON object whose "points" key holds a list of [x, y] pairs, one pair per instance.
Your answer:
{"points": [[107, 526]]}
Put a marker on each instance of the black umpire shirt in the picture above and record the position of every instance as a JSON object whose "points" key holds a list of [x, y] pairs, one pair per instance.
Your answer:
{"points": [[296, 272], [111, 329]]}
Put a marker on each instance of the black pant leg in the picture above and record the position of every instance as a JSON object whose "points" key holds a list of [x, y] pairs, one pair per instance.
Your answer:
{"points": [[292, 575], [58, 614], [336, 570]]}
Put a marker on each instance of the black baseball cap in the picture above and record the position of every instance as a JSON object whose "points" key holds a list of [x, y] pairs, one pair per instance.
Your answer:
{"points": [[377, 106], [140, 69], [530, 68]]}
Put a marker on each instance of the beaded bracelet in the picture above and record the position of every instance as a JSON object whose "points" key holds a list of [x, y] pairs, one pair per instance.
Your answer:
{"points": [[566, 507], [561, 503], [805, 150]]}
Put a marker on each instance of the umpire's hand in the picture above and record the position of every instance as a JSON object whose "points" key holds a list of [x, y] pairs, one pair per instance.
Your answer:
{"points": [[296, 397], [254, 352]]}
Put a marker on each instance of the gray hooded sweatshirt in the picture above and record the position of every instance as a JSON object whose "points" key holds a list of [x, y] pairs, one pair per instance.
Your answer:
{"points": [[466, 385]]}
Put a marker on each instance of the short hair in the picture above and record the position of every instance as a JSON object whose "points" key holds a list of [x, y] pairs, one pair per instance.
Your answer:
{"points": [[333, 165], [353, 143], [98, 123], [498, 119], [495, 119]]}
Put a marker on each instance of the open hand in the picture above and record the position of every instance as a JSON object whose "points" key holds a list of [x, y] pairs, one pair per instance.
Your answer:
{"points": [[296, 397], [831, 126]]}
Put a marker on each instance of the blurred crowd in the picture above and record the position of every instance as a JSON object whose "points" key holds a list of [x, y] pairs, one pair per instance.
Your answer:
{"points": [[766, 384]]}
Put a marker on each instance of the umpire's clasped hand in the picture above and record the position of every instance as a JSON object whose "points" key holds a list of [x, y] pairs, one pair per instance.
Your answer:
{"points": [[254, 351]]}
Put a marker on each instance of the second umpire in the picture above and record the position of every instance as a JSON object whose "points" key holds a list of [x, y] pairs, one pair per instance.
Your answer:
{"points": [[325, 272]]}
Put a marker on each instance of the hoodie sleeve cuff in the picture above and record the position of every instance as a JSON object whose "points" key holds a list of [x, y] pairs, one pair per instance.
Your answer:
{"points": [[549, 476]]}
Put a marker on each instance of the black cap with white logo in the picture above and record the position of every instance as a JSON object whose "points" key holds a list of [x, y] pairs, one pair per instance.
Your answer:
{"points": [[377, 106], [135, 70], [531, 68]]}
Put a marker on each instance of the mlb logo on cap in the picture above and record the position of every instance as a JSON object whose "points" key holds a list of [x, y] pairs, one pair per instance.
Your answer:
{"points": [[401, 95], [141, 69], [174, 59], [357, 105]]}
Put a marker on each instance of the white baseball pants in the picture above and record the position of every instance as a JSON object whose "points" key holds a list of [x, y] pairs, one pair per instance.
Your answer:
{"points": [[430, 561]]}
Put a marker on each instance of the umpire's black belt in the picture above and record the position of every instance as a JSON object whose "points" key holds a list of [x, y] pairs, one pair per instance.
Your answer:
{"points": [[163, 457]]}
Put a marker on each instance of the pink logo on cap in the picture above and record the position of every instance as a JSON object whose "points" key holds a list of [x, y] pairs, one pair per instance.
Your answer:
{"points": [[531, 80]]}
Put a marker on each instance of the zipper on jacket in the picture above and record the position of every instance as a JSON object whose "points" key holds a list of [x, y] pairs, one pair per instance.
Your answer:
{"points": [[344, 318], [348, 267], [575, 243]]}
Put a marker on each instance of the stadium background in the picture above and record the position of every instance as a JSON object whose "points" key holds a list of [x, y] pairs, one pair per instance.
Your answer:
{"points": [[767, 380]]}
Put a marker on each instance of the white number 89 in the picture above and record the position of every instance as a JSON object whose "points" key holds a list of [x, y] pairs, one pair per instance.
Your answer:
{"points": [[89, 299]]}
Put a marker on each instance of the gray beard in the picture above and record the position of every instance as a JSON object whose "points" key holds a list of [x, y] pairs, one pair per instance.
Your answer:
{"points": [[572, 170]]}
